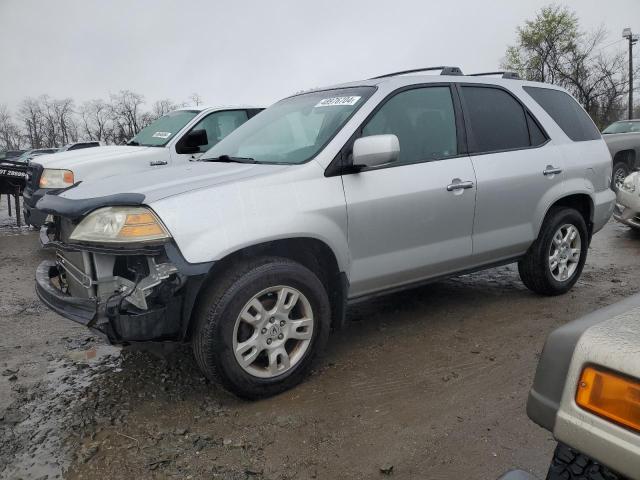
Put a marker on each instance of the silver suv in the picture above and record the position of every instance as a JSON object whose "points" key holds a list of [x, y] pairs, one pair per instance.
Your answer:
{"points": [[327, 197]]}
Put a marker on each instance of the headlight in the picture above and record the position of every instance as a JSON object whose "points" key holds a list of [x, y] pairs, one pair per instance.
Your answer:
{"points": [[53, 178], [120, 225]]}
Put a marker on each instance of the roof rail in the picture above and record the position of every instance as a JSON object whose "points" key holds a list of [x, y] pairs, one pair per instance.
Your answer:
{"points": [[444, 71], [508, 75]]}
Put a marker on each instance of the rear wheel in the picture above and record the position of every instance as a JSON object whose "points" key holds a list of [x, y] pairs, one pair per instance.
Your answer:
{"points": [[555, 261], [260, 325], [568, 464]]}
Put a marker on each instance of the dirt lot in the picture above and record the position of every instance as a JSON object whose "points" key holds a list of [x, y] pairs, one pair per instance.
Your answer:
{"points": [[431, 383]]}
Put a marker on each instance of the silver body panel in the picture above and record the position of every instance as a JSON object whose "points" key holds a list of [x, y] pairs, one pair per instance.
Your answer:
{"points": [[387, 227], [614, 344]]}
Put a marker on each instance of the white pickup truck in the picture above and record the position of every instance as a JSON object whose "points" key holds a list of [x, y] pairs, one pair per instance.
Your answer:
{"points": [[178, 137]]}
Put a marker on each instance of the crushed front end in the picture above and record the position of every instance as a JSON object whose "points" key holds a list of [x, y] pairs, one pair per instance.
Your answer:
{"points": [[129, 292]]}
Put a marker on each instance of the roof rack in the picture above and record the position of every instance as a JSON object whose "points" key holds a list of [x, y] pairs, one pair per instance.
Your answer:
{"points": [[444, 71], [508, 75]]}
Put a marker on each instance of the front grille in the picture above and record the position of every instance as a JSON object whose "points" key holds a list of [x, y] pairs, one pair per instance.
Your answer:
{"points": [[34, 171]]}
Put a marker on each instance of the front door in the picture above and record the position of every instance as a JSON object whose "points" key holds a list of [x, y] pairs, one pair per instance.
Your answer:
{"points": [[413, 219], [217, 125]]}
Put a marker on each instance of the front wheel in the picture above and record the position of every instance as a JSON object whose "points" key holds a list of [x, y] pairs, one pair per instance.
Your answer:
{"points": [[260, 325], [568, 464], [555, 261]]}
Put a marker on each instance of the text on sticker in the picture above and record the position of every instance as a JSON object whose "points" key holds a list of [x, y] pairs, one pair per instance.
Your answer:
{"points": [[162, 134], [337, 101]]}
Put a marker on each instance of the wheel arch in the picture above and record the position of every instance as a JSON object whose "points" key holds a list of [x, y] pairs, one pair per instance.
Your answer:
{"points": [[627, 156], [580, 201], [314, 254]]}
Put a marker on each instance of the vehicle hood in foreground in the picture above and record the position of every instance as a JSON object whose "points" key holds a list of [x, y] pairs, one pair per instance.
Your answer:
{"points": [[169, 181], [88, 156]]}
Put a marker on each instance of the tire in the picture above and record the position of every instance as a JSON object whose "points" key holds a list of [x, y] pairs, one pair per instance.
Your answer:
{"points": [[620, 171], [567, 464], [535, 269], [218, 324]]}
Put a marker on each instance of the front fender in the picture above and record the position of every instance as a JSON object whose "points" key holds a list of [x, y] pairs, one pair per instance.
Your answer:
{"points": [[209, 224]]}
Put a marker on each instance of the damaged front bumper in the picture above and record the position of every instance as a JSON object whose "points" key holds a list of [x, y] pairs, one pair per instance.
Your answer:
{"points": [[126, 294]]}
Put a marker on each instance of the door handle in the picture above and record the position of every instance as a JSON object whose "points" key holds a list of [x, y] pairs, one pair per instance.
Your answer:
{"points": [[459, 186], [156, 163], [551, 170]]}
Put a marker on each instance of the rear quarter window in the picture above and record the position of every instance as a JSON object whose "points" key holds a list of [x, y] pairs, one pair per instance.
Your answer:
{"points": [[566, 112]]}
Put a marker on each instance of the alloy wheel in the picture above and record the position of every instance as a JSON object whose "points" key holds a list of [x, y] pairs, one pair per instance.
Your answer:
{"points": [[273, 331]]}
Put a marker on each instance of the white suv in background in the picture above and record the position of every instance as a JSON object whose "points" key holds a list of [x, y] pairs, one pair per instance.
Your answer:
{"points": [[176, 138]]}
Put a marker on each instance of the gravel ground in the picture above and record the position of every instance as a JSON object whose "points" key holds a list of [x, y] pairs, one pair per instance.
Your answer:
{"points": [[428, 383]]}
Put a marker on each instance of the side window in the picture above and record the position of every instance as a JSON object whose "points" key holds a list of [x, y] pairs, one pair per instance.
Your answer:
{"points": [[424, 121], [220, 124], [536, 134], [566, 112], [495, 119]]}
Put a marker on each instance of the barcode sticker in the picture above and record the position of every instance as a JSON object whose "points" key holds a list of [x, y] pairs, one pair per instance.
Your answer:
{"points": [[338, 101], [162, 134]]}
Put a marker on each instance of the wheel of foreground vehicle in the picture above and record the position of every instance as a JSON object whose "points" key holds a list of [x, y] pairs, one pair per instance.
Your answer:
{"points": [[620, 172], [260, 325], [554, 262], [567, 464]]}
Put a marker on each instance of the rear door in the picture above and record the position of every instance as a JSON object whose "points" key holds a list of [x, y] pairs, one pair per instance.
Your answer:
{"points": [[516, 167], [412, 219]]}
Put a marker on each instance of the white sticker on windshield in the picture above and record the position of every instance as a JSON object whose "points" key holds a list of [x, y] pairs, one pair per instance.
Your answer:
{"points": [[338, 101], [162, 134]]}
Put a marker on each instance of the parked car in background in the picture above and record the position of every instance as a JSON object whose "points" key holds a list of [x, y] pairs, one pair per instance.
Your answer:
{"points": [[27, 156], [10, 154], [587, 392], [627, 209], [174, 139], [623, 140], [328, 197], [79, 146]]}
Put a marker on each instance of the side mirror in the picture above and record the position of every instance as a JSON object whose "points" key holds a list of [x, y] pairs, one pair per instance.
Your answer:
{"points": [[375, 150], [192, 141]]}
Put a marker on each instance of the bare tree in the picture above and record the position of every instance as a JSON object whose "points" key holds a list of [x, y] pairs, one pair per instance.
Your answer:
{"points": [[195, 99], [10, 135], [33, 119], [96, 120], [552, 48], [126, 114], [162, 107]]}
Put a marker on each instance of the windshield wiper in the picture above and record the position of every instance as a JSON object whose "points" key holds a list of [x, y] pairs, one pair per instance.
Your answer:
{"points": [[228, 159], [133, 143]]}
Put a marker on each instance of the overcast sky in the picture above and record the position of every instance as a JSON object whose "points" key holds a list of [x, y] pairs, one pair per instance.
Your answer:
{"points": [[255, 52]]}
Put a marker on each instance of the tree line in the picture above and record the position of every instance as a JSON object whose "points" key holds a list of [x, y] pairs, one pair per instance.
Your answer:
{"points": [[553, 48], [45, 122]]}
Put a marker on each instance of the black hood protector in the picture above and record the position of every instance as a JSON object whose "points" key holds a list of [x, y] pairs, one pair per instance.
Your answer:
{"points": [[78, 208]]}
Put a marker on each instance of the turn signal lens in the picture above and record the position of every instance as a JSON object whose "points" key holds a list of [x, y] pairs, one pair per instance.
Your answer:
{"points": [[611, 396], [54, 178]]}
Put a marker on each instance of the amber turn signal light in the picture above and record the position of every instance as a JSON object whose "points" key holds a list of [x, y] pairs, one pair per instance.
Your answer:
{"points": [[610, 395]]}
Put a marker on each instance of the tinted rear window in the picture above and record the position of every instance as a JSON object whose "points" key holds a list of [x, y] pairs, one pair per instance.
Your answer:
{"points": [[496, 120], [566, 112]]}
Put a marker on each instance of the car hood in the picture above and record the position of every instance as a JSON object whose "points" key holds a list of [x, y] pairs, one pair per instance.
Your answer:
{"points": [[169, 181], [87, 156]]}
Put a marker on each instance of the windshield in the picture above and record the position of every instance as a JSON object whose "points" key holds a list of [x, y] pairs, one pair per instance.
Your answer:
{"points": [[160, 131], [622, 127], [293, 130]]}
